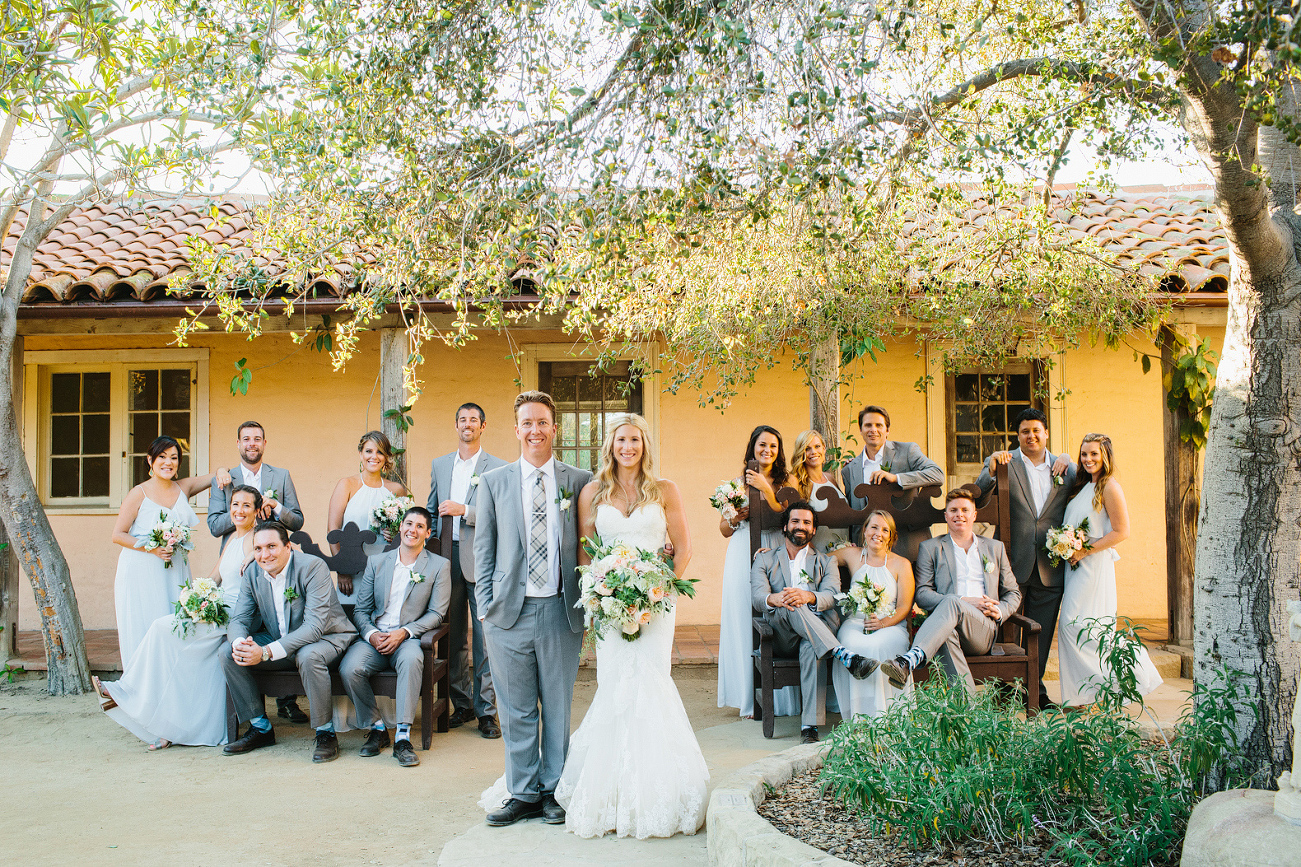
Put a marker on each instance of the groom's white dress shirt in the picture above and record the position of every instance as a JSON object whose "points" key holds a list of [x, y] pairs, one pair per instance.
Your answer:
{"points": [[1041, 482], [871, 465], [462, 471], [391, 618], [528, 474], [970, 577], [278, 597]]}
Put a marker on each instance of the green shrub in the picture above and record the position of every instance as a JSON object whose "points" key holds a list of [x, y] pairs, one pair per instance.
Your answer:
{"points": [[943, 765]]}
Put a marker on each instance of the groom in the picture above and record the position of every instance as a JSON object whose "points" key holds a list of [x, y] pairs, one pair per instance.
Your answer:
{"points": [[526, 566]]}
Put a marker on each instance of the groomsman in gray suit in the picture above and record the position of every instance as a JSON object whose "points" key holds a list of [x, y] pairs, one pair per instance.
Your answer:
{"points": [[279, 503], [403, 594], [287, 616], [453, 486], [794, 588], [884, 461], [966, 583], [526, 568], [1040, 483]]}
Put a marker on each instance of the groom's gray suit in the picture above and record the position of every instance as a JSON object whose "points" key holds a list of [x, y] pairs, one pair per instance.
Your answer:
{"points": [[1039, 579], [466, 693], [534, 642], [803, 631], [317, 634], [906, 460]]}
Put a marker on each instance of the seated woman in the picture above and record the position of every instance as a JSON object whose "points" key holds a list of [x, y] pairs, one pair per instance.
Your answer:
{"points": [[878, 637], [175, 691]]}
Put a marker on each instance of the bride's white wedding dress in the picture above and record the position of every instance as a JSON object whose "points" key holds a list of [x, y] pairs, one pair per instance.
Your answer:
{"points": [[634, 766]]}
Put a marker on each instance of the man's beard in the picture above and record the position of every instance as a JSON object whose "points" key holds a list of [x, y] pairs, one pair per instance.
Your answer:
{"points": [[797, 537]]}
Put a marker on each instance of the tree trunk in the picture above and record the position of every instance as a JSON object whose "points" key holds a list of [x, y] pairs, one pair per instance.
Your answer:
{"points": [[1183, 494], [393, 353], [824, 391], [20, 506], [10, 574]]}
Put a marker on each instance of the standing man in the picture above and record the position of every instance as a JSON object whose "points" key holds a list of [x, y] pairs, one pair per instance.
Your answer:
{"points": [[453, 484], [279, 503], [1040, 483], [402, 595], [883, 461], [526, 560]]}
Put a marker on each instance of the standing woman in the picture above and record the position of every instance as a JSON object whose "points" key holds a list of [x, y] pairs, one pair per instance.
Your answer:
{"points": [[735, 642], [147, 584], [355, 498], [814, 483], [1091, 577]]}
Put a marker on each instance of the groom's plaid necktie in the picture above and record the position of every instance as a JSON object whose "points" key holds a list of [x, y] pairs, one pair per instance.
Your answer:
{"points": [[539, 562]]}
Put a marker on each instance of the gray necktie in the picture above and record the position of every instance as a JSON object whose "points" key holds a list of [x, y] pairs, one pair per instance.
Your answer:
{"points": [[538, 560]]}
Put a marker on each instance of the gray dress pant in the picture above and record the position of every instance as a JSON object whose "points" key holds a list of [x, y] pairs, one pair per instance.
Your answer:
{"points": [[1042, 605], [313, 663], [810, 635], [954, 629], [362, 661], [468, 690], [534, 666]]}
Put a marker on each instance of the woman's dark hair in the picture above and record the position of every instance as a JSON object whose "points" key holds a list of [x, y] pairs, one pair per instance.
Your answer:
{"points": [[247, 489], [780, 474], [160, 445]]}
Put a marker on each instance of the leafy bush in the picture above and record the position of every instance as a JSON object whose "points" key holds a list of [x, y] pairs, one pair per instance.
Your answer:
{"points": [[943, 765]]}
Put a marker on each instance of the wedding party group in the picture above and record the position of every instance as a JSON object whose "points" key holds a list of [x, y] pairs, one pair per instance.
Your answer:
{"points": [[544, 553]]}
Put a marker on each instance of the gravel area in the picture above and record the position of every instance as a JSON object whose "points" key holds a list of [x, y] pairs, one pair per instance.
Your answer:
{"points": [[801, 811]]}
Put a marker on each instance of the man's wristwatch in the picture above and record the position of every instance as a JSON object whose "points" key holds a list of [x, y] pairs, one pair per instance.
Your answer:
{"points": [[266, 654]]}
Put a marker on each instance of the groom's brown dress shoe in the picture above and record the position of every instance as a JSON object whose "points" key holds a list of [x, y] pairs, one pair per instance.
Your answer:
{"points": [[512, 811], [488, 728], [252, 740], [552, 812], [327, 747]]}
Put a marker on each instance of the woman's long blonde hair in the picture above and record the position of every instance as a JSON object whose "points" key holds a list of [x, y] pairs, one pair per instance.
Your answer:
{"points": [[1108, 466], [801, 472], [648, 486]]}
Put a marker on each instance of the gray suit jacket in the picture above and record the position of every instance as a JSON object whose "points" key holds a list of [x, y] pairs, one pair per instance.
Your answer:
{"points": [[906, 461], [314, 615], [500, 546], [440, 488], [273, 478], [426, 602], [1029, 532], [771, 573], [937, 574]]}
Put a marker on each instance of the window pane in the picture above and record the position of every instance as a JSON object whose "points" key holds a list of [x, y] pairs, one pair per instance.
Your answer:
{"points": [[969, 450], [568, 427], [94, 392], [1013, 410], [562, 390], [94, 434], [175, 389], [993, 444], [139, 469], [65, 436], [65, 477], [94, 477], [589, 392], [1018, 387], [967, 387], [991, 386], [65, 392], [144, 389], [177, 425], [183, 469], [993, 418], [967, 417], [144, 430]]}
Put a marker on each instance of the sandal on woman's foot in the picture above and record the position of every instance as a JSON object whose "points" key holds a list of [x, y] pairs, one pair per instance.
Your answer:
{"points": [[160, 744], [106, 701]]}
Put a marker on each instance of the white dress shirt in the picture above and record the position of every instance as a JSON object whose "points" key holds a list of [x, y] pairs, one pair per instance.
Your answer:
{"points": [[254, 480], [462, 470], [871, 465], [1041, 481], [278, 599], [797, 564], [397, 594], [970, 580], [527, 474]]}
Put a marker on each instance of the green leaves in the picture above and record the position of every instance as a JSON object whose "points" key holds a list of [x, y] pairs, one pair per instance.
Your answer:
{"points": [[1189, 384], [239, 383], [400, 418]]}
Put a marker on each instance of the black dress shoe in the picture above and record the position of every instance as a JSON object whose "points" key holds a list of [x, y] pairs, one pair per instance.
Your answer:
{"points": [[287, 708], [897, 670], [552, 812], [512, 811], [460, 717], [376, 740], [405, 754], [809, 735], [861, 666], [488, 728], [253, 738], [327, 747]]}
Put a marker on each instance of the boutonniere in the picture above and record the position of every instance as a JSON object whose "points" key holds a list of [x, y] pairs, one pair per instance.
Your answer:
{"points": [[416, 577], [885, 466], [565, 500], [474, 480], [291, 594], [987, 564], [271, 494], [1059, 479]]}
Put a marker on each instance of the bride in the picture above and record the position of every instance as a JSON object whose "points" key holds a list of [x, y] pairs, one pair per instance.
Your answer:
{"points": [[634, 766]]}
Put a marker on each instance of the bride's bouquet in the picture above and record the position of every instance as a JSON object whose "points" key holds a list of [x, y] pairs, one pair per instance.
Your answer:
{"points": [[1064, 542], [625, 587], [728, 497], [169, 534], [387, 517], [866, 597], [201, 601]]}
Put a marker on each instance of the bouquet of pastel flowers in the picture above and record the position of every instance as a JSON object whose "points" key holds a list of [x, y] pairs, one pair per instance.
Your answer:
{"points": [[866, 597], [1063, 542], [625, 587], [728, 497], [201, 601], [387, 517], [169, 534]]}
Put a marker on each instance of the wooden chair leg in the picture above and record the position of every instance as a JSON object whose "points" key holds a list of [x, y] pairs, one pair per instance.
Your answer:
{"points": [[427, 702], [766, 701]]}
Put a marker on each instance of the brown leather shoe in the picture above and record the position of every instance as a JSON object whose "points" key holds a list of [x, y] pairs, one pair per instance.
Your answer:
{"points": [[252, 740], [488, 728], [327, 747]]}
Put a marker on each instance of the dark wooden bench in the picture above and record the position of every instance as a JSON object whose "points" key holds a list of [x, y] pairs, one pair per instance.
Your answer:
{"points": [[435, 703], [1015, 655]]}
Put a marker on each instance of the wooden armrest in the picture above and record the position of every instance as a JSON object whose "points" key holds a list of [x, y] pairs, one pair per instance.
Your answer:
{"points": [[1028, 625], [761, 626], [427, 640]]}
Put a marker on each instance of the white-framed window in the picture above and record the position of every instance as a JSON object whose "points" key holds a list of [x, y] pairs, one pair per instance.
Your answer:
{"points": [[89, 417]]}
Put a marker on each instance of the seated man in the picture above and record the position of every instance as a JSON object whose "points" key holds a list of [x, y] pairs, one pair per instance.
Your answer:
{"points": [[883, 461], [287, 615], [403, 594], [794, 587], [966, 584]]}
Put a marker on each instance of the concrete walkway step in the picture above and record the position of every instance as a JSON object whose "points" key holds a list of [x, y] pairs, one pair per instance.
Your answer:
{"points": [[1168, 664]]}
